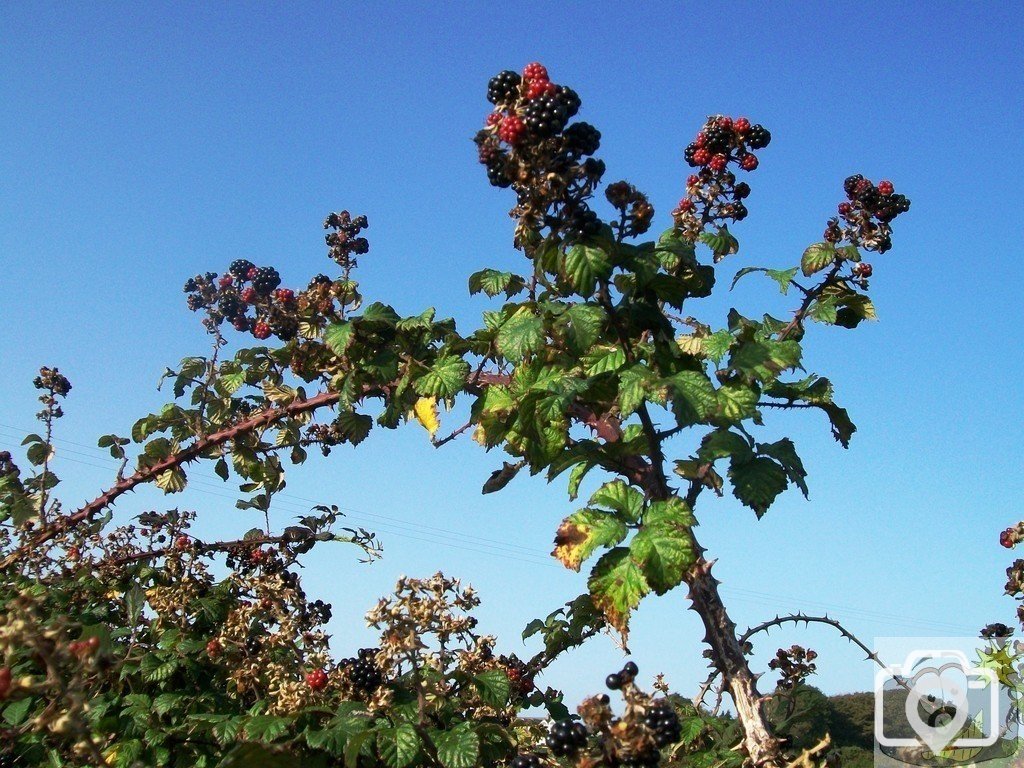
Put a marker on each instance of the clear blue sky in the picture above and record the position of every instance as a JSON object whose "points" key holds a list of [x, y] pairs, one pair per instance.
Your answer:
{"points": [[140, 144]]}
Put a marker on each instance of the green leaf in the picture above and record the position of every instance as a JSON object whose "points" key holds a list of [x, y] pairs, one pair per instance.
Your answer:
{"points": [[492, 282], [354, 746], [584, 266], [445, 378], [717, 345], [765, 360], [784, 277], [784, 451], [757, 482], [338, 337], [171, 481], [249, 755], [722, 243], [353, 427], [230, 383], [16, 712], [722, 443], [693, 397], [736, 402], [494, 687], [583, 325], [458, 747], [617, 585], [619, 497], [664, 546], [817, 257], [604, 360], [381, 314], [39, 453], [522, 333], [585, 531], [399, 746]]}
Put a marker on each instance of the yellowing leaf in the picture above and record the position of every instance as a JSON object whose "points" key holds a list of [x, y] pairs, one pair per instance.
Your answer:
{"points": [[425, 412]]}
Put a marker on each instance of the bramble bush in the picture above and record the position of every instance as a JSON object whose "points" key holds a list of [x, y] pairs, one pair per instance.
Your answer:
{"points": [[141, 644]]}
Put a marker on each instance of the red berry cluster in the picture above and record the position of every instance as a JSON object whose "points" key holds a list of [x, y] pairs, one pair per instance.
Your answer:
{"points": [[518, 673], [865, 216], [83, 649], [5, 682], [1012, 536], [723, 140], [317, 679]]}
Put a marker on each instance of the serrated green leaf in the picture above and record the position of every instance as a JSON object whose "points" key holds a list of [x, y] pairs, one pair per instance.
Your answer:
{"points": [[584, 266], [817, 257], [736, 401], [693, 397], [458, 747], [399, 746], [617, 584], [494, 687], [619, 497], [784, 451], [492, 282], [766, 359], [722, 443], [353, 427], [445, 378], [338, 337], [583, 532], [521, 334], [171, 481], [717, 345], [722, 243], [583, 325], [604, 360], [664, 547], [381, 314], [757, 482]]}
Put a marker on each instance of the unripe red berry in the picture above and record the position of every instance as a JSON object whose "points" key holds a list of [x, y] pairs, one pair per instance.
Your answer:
{"points": [[251, 274], [1006, 538], [725, 122], [862, 269], [5, 682], [493, 119], [862, 186], [317, 679], [845, 208], [742, 125], [240, 324], [535, 71], [73, 553], [885, 187], [248, 295], [284, 295], [686, 204], [718, 162], [701, 156], [225, 281], [749, 162], [512, 129], [692, 180], [701, 139], [539, 87], [181, 542], [261, 330], [213, 648], [93, 644]]}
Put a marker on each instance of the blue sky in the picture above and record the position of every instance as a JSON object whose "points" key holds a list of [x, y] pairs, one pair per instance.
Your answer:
{"points": [[142, 144]]}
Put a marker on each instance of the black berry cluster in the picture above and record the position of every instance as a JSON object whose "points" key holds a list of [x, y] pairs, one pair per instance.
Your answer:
{"points": [[1012, 536], [713, 196], [363, 672], [529, 143], [526, 760], [229, 297], [518, 673], [662, 720], [865, 216], [567, 738], [581, 224], [344, 239], [623, 677], [996, 631]]}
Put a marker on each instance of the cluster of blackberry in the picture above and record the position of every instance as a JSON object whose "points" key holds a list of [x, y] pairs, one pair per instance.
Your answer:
{"points": [[528, 143], [625, 676], [363, 672], [662, 720], [344, 240], [713, 196], [723, 140], [566, 738], [865, 216], [526, 760], [518, 673], [228, 297], [635, 210], [795, 663], [996, 631]]}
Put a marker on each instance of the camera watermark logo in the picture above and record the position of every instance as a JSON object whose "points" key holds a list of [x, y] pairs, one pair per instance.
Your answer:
{"points": [[945, 705]]}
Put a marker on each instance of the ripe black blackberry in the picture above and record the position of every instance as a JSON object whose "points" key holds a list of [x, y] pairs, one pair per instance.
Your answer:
{"points": [[582, 138], [503, 88], [285, 328], [320, 280], [594, 168], [741, 190], [688, 155], [266, 280], [228, 304], [240, 268], [363, 671], [566, 738], [758, 137], [717, 139], [569, 99], [739, 211], [195, 302], [870, 198], [850, 185], [487, 152], [497, 173], [190, 285], [545, 115], [662, 719], [525, 761], [583, 223], [647, 758]]}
